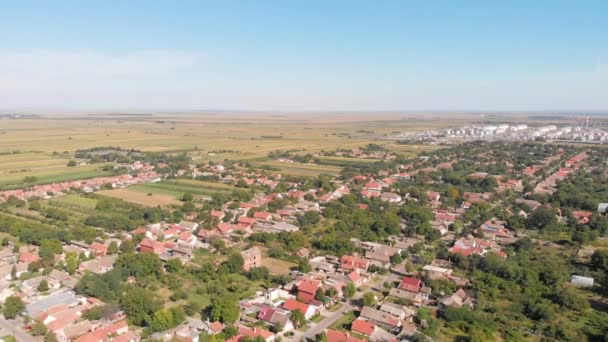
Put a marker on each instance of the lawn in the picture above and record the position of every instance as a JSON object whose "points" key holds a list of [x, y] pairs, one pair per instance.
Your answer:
{"points": [[277, 266], [344, 321]]}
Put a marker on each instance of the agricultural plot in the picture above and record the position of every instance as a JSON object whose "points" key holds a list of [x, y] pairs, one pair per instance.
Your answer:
{"points": [[179, 187], [74, 202], [168, 192], [300, 169], [206, 136], [52, 174], [141, 197]]}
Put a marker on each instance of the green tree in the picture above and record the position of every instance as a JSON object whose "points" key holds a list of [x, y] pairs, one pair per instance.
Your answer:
{"points": [[38, 328], [234, 263], [349, 290], [541, 218], [320, 294], [298, 318], [127, 246], [43, 286], [71, 163], [599, 260], [174, 265], [113, 248], [224, 308], [368, 299], [13, 306], [71, 263], [48, 249], [139, 304], [162, 320], [304, 265]]}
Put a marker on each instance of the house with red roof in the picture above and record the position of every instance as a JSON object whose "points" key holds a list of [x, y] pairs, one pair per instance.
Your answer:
{"points": [[362, 206], [105, 333], [468, 245], [252, 333], [363, 327], [582, 216], [351, 262], [356, 278], [307, 289], [151, 246], [28, 257], [410, 284], [186, 238], [340, 336], [217, 214], [206, 235], [261, 215], [246, 222], [308, 310], [98, 249]]}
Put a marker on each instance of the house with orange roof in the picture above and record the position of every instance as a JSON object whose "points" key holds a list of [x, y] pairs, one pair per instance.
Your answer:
{"points": [[363, 327], [217, 214], [151, 246], [350, 262], [28, 257], [308, 310], [340, 336], [186, 238], [582, 216], [246, 222], [307, 289], [105, 333], [256, 332], [98, 249], [261, 215]]}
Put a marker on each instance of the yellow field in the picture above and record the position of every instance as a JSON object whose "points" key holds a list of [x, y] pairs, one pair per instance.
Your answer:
{"points": [[46, 144]]}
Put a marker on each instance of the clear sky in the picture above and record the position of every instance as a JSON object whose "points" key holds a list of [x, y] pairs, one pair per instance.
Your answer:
{"points": [[305, 55]]}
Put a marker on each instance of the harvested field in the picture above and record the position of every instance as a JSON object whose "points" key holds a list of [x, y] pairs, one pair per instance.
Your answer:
{"points": [[142, 198]]}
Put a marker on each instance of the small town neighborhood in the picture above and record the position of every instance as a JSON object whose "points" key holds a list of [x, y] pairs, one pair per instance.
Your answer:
{"points": [[391, 279]]}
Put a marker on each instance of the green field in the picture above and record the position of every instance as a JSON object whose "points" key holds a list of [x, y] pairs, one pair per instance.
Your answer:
{"points": [[74, 202], [53, 174]]}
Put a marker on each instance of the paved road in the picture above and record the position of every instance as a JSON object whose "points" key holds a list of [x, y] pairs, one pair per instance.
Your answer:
{"points": [[317, 328], [327, 321], [13, 328]]}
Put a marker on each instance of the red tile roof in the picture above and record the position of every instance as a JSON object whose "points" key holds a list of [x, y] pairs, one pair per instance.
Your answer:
{"points": [[339, 336], [363, 327], [293, 305], [410, 284], [28, 257]]}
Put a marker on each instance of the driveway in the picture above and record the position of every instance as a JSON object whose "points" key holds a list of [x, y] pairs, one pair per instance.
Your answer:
{"points": [[13, 327]]}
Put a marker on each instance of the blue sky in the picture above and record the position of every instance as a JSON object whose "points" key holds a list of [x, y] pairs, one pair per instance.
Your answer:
{"points": [[305, 55]]}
